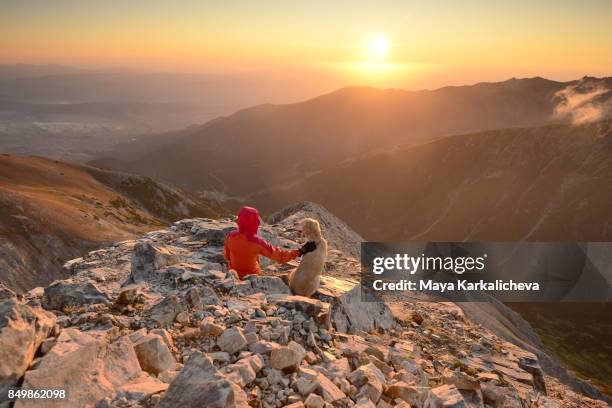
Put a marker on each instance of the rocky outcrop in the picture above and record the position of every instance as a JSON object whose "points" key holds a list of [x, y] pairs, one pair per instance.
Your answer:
{"points": [[190, 334], [22, 330]]}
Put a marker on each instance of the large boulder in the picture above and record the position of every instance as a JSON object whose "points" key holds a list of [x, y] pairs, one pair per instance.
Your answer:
{"points": [[199, 384], [66, 293], [350, 314], [148, 259], [22, 330], [153, 354], [80, 372], [121, 364]]}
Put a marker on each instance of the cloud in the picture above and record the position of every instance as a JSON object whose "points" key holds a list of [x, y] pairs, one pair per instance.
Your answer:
{"points": [[584, 102]]}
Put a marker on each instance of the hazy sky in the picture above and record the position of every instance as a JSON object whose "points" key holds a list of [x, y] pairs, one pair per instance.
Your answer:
{"points": [[430, 43]]}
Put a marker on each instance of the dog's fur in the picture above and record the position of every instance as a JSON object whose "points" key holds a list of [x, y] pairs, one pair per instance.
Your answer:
{"points": [[305, 279]]}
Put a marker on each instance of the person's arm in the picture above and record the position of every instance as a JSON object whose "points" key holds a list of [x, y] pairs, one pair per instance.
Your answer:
{"points": [[277, 254]]}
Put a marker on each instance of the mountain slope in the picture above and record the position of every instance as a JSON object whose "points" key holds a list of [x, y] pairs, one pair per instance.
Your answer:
{"points": [[544, 183], [269, 145], [135, 334], [53, 211]]}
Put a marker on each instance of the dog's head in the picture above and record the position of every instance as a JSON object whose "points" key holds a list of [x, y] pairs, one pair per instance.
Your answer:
{"points": [[311, 230]]}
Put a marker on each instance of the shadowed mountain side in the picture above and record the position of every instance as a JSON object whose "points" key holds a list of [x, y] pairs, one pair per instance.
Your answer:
{"points": [[53, 211], [268, 145], [546, 183]]}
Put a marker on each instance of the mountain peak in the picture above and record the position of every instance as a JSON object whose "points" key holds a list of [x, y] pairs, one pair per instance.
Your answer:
{"points": [[166, 324]]}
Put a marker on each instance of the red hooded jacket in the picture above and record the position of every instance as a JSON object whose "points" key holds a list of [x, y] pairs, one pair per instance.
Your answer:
{"points": [[243, 247]]}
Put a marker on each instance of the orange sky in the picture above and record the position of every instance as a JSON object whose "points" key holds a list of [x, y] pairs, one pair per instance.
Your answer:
{"points": [[429, 44]]}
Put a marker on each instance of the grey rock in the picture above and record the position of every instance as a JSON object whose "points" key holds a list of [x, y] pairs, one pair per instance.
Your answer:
{"points": [[164, 312], [350, 314], [121, 362], [65, 293], [148, 259], [232, 340], [199, 384]]}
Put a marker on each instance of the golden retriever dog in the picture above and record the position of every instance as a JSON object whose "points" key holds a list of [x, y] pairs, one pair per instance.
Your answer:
{"points": [[304, 280]]}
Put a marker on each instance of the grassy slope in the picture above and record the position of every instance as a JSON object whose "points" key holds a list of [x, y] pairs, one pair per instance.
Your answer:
{"points": [[579, 334]]}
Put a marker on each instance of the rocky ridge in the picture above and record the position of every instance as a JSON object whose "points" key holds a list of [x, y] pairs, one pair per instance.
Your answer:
{"points": [[160, 322]]}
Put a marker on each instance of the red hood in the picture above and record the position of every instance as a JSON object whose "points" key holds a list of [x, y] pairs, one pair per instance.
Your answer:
{"points": [[248, 221]]}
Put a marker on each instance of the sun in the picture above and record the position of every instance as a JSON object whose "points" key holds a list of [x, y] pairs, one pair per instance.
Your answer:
{"points": [[378, 47]]}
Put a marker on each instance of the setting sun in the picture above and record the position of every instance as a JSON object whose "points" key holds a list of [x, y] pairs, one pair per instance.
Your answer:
{"points": [[378, 47]]}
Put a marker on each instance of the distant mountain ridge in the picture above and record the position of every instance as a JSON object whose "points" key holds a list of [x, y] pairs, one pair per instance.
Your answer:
{"points": [[271, 145], [549, 183]]}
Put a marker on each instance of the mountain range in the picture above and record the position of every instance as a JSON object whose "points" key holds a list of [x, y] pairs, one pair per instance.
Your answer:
{"points": [[271, 145], [53, 211]]}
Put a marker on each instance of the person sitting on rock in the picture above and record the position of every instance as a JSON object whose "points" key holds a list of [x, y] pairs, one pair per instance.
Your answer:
{"points": [[242, 248]]}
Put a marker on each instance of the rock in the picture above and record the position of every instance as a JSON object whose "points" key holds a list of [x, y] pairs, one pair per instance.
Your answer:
{"points": [[349, 314], [364, 403], [412, 394], [263, 347], [303, 304], [65, 293], [199, 384], [128, 296], [314, 401], [287, 358], [221, 356], [210, 328], [164, 312], [328, 390], [417, 317], [69, 340], [529, 363], [241, 373], [142, 388], [153, 354], [121, 363], [493, 394], [148, 259], [269, 285], [460, 380], [182, 317], [22, 330], [165, 336], [232, 340], [213, 233], [445, 396], [80, 372], [295, 405], [370, 380]]}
